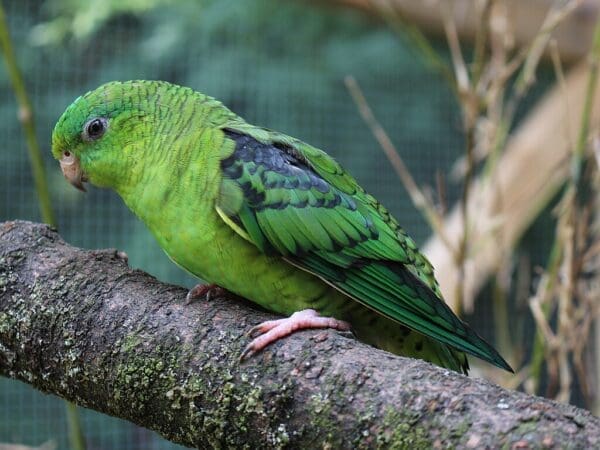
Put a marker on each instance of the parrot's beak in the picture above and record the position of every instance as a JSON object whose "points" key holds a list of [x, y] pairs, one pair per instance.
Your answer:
{"points": [[71, 169]]}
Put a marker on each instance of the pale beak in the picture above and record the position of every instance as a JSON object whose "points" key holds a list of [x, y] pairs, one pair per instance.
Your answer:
{"points": [[71, 169]]}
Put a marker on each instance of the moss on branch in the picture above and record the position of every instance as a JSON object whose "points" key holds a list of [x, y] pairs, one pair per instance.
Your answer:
{"points": [[84, 326]]}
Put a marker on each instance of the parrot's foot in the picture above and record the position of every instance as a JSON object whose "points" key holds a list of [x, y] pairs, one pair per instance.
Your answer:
{"points": [[273, 330], [207, 291]]}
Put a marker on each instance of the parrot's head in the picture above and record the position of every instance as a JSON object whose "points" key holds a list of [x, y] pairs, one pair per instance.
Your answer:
{"points": [[102, 135]]}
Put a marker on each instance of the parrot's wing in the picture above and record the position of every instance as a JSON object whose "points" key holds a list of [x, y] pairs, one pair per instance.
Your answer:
{"points": [[294, 200]]}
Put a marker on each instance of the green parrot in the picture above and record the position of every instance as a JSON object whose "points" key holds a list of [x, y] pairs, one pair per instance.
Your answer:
{"points": [[263, 215]]}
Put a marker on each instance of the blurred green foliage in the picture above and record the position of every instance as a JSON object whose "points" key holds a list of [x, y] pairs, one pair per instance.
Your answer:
{"points": [[278, 64], [80, 19]]}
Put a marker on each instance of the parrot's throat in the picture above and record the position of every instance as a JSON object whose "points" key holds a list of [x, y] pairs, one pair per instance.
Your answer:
{"points": [[153, 183], [118, 171]]}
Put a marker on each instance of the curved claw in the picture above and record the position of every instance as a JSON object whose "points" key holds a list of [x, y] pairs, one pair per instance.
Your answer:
{"points": [[247, 352], [273, 330], [263, 327], [208, 291]]}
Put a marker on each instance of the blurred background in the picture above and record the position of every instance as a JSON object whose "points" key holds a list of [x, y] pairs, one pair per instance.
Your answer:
{"points": [[471, 93]]}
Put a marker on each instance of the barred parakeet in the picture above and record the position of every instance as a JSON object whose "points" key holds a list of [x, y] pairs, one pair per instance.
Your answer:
{"points": [[263, 215]]}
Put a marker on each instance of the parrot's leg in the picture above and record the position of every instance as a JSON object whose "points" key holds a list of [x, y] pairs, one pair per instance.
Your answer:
{"points": [[207, 291], [273, 330]]}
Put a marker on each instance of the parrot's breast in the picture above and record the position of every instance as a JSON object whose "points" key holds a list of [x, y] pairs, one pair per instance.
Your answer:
{"points": [[211, 250], [181, 214]]}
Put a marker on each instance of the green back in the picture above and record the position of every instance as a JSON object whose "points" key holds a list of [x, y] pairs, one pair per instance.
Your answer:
{"points": [[292, 199]]}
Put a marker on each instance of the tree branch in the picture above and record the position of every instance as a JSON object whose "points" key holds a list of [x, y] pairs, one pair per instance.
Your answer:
{"points": [[82, 325]]}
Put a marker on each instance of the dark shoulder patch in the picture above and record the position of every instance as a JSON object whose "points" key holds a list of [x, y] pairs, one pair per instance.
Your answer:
{"points": [[293, 169]]}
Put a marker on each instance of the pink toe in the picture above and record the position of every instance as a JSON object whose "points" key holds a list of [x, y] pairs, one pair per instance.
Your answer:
{"points": [[276, 329]]}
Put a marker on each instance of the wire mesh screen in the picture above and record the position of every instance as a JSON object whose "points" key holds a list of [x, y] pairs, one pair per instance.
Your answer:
{"points": [[277, 64]]}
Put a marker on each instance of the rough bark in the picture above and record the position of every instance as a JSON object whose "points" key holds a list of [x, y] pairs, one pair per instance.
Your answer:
{"points": [[82, 325]]}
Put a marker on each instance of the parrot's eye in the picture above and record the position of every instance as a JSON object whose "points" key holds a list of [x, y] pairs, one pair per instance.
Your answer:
{"points": [[94, 129]]}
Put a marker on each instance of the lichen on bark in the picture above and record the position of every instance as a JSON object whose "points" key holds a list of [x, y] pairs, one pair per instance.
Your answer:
{"points": [[84, 326]]}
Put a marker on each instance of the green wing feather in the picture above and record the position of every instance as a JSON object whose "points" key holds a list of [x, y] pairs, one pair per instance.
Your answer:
{"points": [[292, 199]]}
